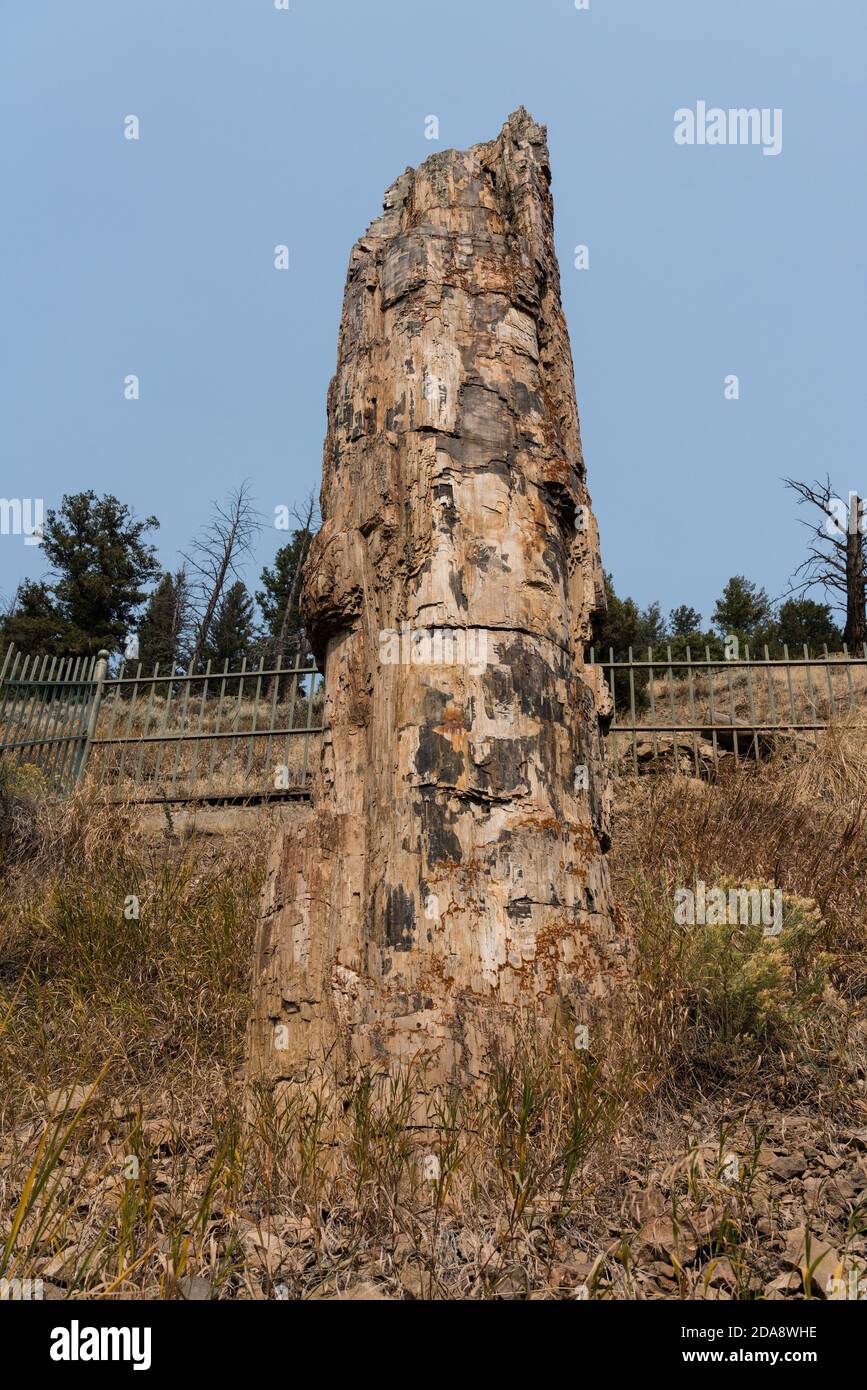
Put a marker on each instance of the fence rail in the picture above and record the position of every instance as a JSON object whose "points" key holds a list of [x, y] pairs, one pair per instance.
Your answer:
{"points": [[46, 713], [249, 734], [210, 736], [703, 711]]}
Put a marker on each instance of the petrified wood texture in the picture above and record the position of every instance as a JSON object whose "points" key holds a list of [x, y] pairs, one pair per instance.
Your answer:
{"points": [[450, 876]]}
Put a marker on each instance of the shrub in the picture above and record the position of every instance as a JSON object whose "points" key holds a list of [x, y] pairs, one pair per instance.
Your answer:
{"points": [[746, 988]]}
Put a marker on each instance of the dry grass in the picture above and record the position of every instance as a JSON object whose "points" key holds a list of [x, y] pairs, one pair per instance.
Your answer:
{"points": [[126, 1167], [810, 693], [788, 699], [198, 766], [206, 738]]}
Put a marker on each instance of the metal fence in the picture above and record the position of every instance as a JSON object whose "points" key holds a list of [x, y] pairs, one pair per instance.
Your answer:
{"points": [[250, 734], [699, 712], [222, 735], [48, 710]]}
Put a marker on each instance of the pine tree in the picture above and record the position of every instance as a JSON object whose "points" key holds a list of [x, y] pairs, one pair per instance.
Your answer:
{"points": [[684, 621], [34, 624], [277, 584], [743, 609], [279, 600], [100, 564], [804, 620], [626, 625], [164, 627], [232, 631]]}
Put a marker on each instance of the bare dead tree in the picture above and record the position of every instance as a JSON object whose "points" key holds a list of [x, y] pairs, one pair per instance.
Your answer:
{"points": [[837, 556], [215, 557]]}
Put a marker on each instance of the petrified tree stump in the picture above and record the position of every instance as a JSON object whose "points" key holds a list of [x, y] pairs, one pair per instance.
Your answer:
{"points": [[449, 879]]}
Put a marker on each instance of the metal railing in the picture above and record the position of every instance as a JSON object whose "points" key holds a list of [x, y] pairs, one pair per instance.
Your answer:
{"points": [[47, 713], [222, 735], [703, 711], [248, 734]]}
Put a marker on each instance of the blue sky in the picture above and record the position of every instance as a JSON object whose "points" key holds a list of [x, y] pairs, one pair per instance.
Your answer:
{"points": [[260, 126]]}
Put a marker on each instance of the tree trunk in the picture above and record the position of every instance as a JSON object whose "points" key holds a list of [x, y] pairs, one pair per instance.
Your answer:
{"points": [[449, 880], [855, 632]]}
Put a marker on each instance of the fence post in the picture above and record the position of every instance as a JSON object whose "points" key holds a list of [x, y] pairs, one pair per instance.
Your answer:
{"points": [[99, 675]]}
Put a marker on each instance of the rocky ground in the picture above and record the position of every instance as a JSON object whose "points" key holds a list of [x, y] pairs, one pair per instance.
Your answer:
{"points": [[715, 1148], [768, 1205]]}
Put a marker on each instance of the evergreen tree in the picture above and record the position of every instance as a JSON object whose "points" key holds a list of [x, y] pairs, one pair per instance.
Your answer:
{"points": [[164, 627], [626, 625], [743, 609], [803, 620], [684, 621], [279, 583], [232, 631], [100, 563], [34, 624], [280, 597]]}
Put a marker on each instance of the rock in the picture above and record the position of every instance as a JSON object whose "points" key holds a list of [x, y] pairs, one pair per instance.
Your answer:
{"points": [[61, 1267], [719, 1273], [659, 1234], [66, 1099], [298, 1230], [683, 1239], [53, 1291], [450, 876], [194, 1288], [119, 1109], [572, 1273], [414, 1282], [511, 1284], [784, 1284], [404, 1246], [159, 1136], [264, 1248], [845, 1190], [787, 1166], [706, 1225], [751, 742], [366, 1292], [817, 1254], [831, 1161], [659, 1278], [668, 752]]}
